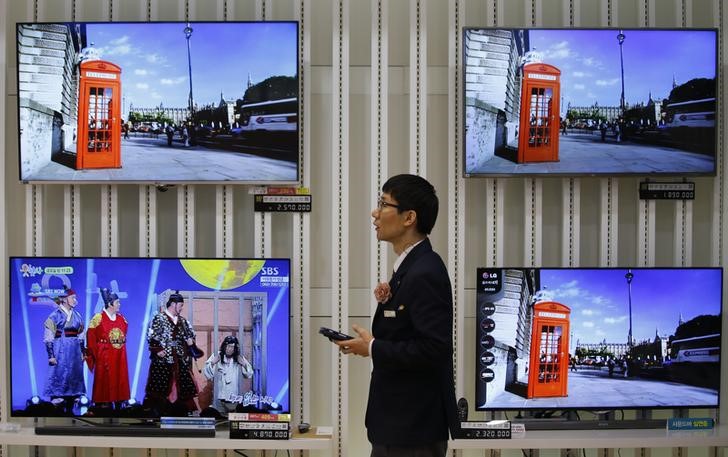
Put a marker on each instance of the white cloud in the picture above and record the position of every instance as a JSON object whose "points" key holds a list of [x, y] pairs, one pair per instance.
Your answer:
{"points": [[588, 324], [121, 40], [120, 50], [607, 82], [171, 81], [615, 320], [559, 50], [579, 86], [579, 74], [587, 312], [142, 86], [154, 58], [591, 62], [156, 95], [141, 72]]}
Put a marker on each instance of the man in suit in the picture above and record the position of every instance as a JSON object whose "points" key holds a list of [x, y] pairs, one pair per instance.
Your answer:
{"points": [[411, 403]]}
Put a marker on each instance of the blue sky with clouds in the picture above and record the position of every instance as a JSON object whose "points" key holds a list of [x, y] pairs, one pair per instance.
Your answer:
{"points": [[153, 58], [599, 300], [590, 66]]}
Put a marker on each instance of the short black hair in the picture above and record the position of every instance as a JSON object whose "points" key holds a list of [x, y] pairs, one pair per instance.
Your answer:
{"points": [[412, 192]]}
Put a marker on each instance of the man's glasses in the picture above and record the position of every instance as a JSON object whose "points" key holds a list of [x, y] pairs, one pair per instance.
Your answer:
{"points": [[381, 204]]}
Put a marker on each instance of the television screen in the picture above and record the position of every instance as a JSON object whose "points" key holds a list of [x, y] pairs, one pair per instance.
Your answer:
{"points": [[148, 337], [598, 338], [158, 102], [573, 102]]}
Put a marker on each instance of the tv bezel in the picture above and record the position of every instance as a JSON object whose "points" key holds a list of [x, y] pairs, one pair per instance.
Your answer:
{"points": [[164, 182], [606, 174], [9, 327], [601, 409]]}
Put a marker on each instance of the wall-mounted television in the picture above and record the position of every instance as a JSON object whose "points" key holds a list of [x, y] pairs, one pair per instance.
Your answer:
{"points": [[589, 102], [559, 339], [148, 337], [158, 102]]}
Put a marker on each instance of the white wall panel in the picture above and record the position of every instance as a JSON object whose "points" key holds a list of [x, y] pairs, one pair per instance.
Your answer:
{"points": [[186, 221], [339, 190], [418, 87], [147, 221], [379, 136], [380, 95], [109, 220], [609, 222], [456, 194], [4, 355]]}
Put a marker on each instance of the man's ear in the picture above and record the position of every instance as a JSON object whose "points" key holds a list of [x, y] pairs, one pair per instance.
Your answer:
{"points": [[411, 218]]}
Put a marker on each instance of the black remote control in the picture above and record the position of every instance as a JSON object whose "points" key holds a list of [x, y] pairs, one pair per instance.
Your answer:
{"points": [[334, 335], [462, 409]]}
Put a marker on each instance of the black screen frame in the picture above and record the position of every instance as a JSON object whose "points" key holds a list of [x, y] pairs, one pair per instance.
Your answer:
{"points": [[468, 174], [293, 148], [137, 412], [539, 410]]}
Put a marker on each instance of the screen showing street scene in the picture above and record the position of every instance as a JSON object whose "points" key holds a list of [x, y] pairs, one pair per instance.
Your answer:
{"points": [[158, 102], [602, 338], [575, 102], [147, 338]]}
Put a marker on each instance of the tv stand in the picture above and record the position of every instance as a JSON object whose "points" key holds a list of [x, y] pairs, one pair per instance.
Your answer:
{"points": [[26, 436], [146, 430], [603, 420], [558, 423]]}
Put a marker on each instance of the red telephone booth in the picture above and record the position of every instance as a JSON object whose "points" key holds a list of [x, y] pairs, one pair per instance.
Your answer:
{"points": [[549, 361], [539, 124], [99, 116]]}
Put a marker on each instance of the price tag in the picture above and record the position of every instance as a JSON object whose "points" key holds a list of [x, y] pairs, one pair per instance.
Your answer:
{"points": [[667, 190], [282, 203], [492, 430]]}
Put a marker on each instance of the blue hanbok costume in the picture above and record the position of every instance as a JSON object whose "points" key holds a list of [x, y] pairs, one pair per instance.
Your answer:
{"points": [[64, 335]]}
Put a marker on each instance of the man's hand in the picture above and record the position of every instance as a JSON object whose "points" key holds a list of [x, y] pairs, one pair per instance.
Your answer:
{"points": [[358, 345], [161, 353], [52, 361]]}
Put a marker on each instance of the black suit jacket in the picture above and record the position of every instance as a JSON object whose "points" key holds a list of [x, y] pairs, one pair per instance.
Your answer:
{"points": [[412, 393]]}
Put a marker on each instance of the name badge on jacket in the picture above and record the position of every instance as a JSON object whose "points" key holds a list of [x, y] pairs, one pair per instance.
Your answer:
{"points": [[390, 313]]}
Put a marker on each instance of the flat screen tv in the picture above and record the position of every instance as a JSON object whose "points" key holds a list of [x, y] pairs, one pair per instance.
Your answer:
{"points": [[158, 102], [148, 337], [598, 338], [589, 102]]}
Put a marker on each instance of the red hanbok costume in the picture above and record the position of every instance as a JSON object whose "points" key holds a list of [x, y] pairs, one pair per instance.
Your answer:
{"points": [[106, 340]]}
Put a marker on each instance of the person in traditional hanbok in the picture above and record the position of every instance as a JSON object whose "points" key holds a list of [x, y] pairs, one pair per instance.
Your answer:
{"points": [[106, 339], [171, 387], [63, 336]]}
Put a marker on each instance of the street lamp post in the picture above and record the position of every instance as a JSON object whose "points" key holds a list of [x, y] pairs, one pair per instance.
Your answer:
{"points": [[620, 39], [629, 277], [188, 34]]}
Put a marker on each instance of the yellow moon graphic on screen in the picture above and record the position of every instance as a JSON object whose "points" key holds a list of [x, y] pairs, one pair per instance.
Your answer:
{"points": [[220, 274]]}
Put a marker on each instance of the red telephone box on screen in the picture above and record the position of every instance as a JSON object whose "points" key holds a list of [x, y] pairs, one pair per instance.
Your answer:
{"points": [[539, 123], [549, 361], [99, 116]]}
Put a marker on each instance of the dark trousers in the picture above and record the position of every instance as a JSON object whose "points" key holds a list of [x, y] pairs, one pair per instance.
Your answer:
{"points": [[438, 449]]}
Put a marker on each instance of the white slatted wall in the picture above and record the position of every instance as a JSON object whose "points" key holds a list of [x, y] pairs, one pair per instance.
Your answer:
{"points": [[381, 93]]}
